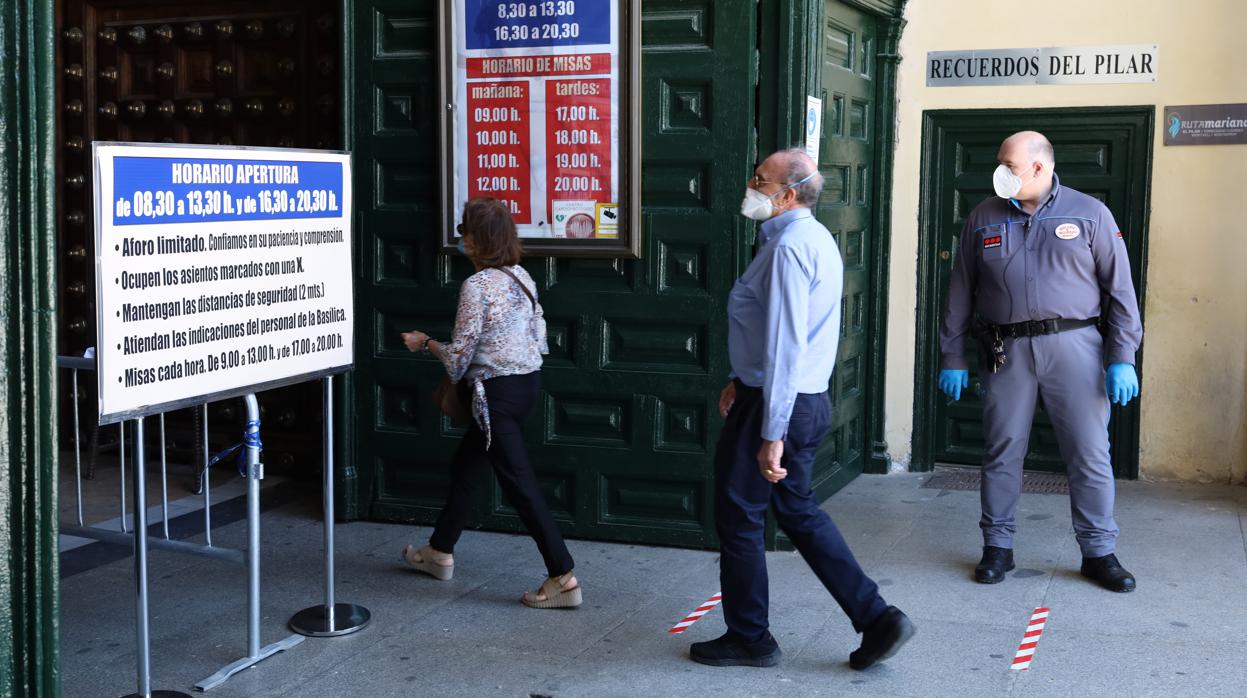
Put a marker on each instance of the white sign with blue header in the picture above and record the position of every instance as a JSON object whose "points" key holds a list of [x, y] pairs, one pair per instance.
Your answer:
{"points": [[813, 126], [220, 271]]}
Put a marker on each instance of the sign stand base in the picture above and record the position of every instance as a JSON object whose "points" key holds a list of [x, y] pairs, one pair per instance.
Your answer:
{"points": [[246, 662], [315, 621], [331, 618]]}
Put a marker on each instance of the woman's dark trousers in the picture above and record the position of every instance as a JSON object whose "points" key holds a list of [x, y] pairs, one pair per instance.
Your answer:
{"points": [[511, 400]]}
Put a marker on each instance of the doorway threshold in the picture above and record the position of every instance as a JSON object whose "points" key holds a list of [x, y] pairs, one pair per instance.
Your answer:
{"points": [[956, 477]]}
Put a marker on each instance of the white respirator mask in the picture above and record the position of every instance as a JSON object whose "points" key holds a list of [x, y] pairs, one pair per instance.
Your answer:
{"points": [[1006, 184], [757, 205], [761, 207]]}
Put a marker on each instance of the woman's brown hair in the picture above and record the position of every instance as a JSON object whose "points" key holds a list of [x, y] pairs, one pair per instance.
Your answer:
{"points": [[494, 240]]}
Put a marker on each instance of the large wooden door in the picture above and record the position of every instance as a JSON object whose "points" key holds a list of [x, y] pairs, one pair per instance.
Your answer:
{"points": [[627, 422], [227, 72], [846, 155], [1102, 152]]}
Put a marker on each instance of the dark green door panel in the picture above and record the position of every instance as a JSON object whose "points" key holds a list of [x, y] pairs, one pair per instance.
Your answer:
{"points": [[1103, 152], [846, 155], [623, 435]]}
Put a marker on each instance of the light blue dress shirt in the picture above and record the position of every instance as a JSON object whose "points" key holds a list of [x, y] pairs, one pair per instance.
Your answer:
{"points": [[784, 315]]}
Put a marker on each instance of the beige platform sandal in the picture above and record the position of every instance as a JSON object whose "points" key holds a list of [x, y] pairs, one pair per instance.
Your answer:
{"points": [[555, 592], [429, 561]]}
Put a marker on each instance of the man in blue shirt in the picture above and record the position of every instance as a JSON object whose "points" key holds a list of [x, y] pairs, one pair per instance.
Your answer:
{"points": [[1041, 265], [784, 326]]}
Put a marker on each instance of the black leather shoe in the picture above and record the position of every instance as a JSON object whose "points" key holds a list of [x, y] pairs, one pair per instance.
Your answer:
{"points": [[729, 651], [882, 639], [995, 562], [1108, 572]]}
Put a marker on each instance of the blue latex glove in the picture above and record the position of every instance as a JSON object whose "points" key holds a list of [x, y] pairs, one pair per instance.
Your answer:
{"points": [[952, 381], [1121, 383]]}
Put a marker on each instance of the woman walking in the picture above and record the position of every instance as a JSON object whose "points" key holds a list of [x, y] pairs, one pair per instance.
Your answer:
{"points": [[494, 358]]}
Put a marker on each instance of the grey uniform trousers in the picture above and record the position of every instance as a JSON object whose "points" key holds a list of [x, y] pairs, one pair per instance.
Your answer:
{"points": [[1067, 369]]}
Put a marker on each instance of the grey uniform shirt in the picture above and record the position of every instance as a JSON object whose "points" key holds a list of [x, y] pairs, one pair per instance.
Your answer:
{"points": [[1056, 263]]}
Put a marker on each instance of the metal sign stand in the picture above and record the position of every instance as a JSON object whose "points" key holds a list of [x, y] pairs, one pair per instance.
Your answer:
{"points": [[330, 619], [348, 617], [255, 473], [140, 574]]}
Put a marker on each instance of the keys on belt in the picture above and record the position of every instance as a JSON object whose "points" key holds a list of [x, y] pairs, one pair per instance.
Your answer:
{"points": [[998, 351]]}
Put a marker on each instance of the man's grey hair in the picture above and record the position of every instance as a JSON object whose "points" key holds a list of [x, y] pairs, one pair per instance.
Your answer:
{"points": [[799, 166]]}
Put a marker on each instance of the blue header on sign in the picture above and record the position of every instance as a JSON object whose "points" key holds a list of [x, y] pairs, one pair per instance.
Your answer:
{"points": [[541, 23], [149, 190]]}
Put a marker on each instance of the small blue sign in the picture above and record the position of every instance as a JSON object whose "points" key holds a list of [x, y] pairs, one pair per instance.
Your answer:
{"points": [[149, 190], [492, 24]]}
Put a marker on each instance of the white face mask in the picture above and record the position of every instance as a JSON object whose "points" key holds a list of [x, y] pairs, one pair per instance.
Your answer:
{"points": [[1006, 184], [757, 205], [761, 207]]}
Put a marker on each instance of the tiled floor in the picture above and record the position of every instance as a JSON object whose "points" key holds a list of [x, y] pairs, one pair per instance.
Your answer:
{"points": [[1179, 634]]}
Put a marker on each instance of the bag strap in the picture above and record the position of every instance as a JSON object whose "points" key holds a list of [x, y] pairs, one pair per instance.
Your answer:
{"points": [[519, 283]]}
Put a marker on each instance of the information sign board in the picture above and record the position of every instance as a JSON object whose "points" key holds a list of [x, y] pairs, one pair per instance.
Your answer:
{"points": [[220, 271]]}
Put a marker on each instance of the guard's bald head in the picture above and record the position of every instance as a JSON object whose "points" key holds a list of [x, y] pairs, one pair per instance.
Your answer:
{"points": [[1027, 147]]}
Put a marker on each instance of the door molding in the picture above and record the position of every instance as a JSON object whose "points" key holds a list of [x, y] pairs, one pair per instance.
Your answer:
{"points": [[1124, 430], [887, 62], [29, 566]]}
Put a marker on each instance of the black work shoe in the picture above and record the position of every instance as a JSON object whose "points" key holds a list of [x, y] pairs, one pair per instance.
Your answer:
{"points": [[729, 651], [995, 562], [883, 638], [1108, 572]]}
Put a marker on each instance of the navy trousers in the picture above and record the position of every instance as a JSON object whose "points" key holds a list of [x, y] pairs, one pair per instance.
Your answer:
{"points": [[742, 496]]}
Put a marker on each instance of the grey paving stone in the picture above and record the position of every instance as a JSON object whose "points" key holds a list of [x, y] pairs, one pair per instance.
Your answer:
{"points": [[1178, 634], [943, 658], [1087, 663]]}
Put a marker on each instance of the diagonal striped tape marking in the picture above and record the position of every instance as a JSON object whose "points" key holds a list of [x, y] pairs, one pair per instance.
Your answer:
{"points": [[697, 613], [1030, 640]]}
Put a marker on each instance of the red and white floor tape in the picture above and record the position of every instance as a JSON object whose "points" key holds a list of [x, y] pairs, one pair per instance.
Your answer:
{"points": [[698, 613], [1026, 650]]}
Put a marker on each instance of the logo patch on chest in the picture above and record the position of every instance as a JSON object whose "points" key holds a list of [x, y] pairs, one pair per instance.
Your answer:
{"points": [[1067, 231], [992, 242]]}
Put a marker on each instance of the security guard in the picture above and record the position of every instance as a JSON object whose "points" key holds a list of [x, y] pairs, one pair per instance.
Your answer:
{"points": [[1040, 269]]}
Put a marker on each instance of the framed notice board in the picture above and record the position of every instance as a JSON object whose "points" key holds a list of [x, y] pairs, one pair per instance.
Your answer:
{"points": [[231, 272], [541, 110]]}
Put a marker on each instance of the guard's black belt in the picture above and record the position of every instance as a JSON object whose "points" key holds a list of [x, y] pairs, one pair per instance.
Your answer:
{"points": [[1034, 328]]}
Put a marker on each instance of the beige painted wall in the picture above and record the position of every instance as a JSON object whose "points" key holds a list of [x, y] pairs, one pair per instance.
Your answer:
{"points": [[1194, 389]]}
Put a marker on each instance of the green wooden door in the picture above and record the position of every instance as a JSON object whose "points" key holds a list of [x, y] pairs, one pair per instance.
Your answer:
{"points": [[1105, 153], [623, 436], [846, 154]]}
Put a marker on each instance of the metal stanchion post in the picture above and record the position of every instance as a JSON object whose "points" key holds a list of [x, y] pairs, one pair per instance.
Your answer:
{"points": [[331, 619], [255, 473], [140, 575], [77, 449], [164, 479], [207, 484], [122, 462]]}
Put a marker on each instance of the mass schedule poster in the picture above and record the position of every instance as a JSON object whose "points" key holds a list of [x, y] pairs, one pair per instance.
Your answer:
{"points": [[536, 97]]}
